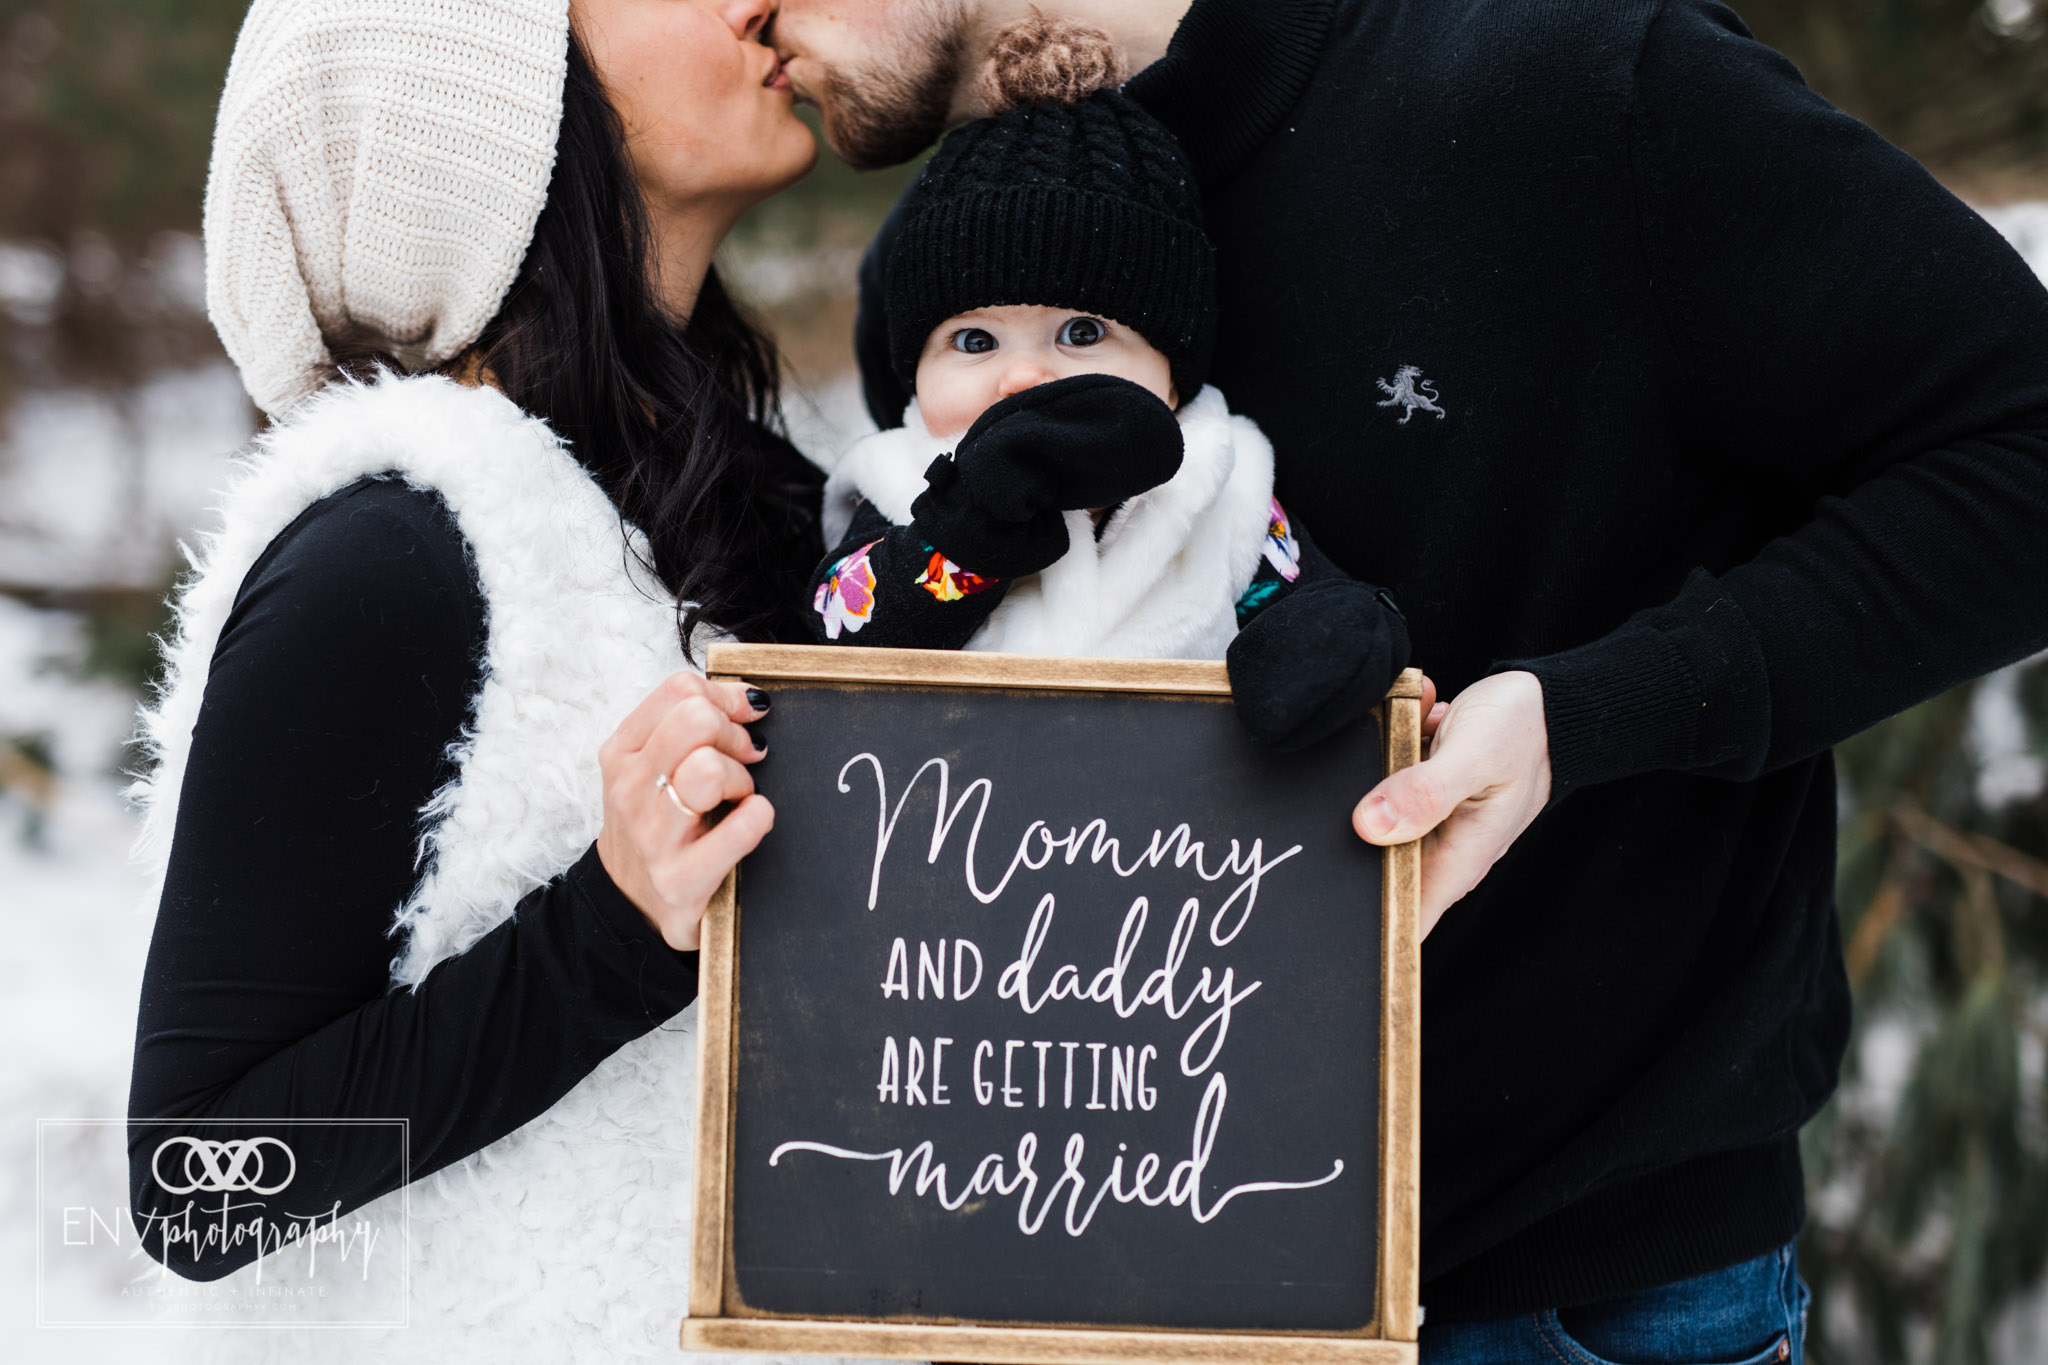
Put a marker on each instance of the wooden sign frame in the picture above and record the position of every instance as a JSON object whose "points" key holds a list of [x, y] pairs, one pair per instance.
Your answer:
{"points": [[720, 1321]]}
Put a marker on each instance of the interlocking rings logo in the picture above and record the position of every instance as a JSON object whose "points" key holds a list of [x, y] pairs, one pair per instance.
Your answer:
{"points": [[236, 1176]]}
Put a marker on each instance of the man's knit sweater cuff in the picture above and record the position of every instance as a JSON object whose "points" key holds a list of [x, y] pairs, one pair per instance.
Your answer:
{"points": [[1676, 688]]}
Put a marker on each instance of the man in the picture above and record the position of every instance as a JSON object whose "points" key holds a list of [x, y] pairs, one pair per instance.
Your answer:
{"points": [[1695, 429]]}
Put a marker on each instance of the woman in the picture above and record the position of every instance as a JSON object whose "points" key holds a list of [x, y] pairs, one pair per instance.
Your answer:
{"points": [[405, 873]]}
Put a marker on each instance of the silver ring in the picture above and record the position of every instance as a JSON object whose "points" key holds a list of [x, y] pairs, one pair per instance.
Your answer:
{"points": [[668, 788]]}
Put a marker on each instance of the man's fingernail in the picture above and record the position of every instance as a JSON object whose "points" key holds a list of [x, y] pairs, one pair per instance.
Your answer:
{"points": [[1378, 819], [757, 699]]}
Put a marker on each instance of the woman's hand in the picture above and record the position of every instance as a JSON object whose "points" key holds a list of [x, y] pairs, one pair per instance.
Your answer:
{"points": [[1486, 776], [659, 849]]}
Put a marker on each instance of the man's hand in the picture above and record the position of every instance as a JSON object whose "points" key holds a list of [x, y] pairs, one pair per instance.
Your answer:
{"points": [[1487, 775]]}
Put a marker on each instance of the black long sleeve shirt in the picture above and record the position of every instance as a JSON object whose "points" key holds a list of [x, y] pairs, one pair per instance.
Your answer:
{"points": [[344, 673], [1743, 448]]}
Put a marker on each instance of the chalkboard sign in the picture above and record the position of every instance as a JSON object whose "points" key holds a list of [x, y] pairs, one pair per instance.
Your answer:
{"points": [[1057, 1021]]}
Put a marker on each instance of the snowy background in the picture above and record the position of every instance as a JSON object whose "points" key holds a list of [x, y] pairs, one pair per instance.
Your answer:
{"points": [[97, 485]]}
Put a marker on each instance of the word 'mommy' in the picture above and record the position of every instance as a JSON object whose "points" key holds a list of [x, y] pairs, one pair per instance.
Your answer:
{"points": [[1038, 846]]}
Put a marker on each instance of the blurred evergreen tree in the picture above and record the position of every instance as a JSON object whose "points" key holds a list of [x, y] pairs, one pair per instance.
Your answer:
{"points": [[106, 121], [106, 113], [1929, 1171]]}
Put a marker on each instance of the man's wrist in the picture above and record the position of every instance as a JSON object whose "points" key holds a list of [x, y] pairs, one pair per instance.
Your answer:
{"points": [[1625, 704], [1678, 687]]}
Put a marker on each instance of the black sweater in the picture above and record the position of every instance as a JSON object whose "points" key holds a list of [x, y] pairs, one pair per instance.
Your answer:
{"points": [[1744, 448]]}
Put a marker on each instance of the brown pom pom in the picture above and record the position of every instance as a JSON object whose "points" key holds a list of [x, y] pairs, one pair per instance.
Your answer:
{"points": [[1050, 61]]}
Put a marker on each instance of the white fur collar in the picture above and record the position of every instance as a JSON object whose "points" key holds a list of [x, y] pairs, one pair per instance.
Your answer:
{"points": [[1163, 579]]}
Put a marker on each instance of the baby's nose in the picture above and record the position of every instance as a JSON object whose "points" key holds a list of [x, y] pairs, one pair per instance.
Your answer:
{"points": [[1020, 375]]}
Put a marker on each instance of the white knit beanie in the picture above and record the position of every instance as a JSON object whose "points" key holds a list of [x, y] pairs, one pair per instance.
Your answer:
{"points": [[377, 170]]}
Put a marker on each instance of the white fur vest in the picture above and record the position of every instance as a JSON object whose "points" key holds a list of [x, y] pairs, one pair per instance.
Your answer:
{"points": [[567, 1240], [1162, 580]]}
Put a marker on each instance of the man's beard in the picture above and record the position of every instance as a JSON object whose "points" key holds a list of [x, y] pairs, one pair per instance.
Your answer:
{"points": [[884, 118]]}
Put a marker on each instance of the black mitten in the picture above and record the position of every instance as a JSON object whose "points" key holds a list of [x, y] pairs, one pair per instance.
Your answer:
{"points": [[1091, 440], [1315, 661]]}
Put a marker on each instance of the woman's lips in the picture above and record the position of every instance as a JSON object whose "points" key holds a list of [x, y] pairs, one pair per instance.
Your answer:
{"points": [[778, 76]]}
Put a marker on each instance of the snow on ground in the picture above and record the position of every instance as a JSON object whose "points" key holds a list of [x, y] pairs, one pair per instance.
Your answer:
{"points": [[73, 933], [94, 490]]}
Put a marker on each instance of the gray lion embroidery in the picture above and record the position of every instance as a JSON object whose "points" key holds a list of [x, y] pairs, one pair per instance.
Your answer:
{"points": [[1410, 392]]}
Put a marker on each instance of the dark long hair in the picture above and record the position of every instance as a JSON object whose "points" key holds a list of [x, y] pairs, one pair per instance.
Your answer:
{"points": [[676, 422]]}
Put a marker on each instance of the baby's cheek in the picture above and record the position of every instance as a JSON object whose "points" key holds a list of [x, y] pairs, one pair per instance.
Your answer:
{"points": [[948, 403], [1150, 370]]}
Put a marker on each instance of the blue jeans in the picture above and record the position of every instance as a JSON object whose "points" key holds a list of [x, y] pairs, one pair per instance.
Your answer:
{"points": [[1748, 1314]]}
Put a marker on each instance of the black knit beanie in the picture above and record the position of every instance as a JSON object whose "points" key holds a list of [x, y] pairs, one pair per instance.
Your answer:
{"points": [[1089, 206]]}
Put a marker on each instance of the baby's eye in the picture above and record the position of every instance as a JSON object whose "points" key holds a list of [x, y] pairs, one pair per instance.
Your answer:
{"points": [[1082, 332], [973, 341]]}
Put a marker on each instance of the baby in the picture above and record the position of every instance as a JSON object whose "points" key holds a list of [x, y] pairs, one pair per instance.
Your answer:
{"points": [[1064, 483]]}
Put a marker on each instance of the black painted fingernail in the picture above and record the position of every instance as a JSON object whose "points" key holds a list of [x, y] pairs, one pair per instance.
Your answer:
{"points": [[757, 699], [760, 743]]}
